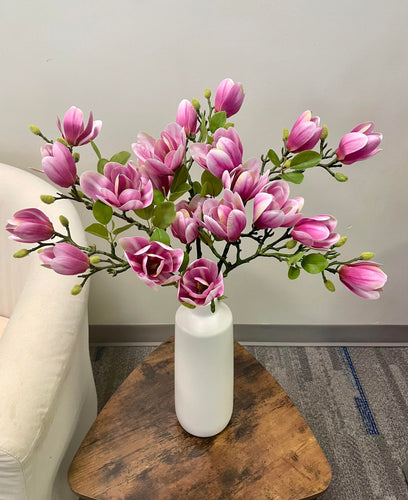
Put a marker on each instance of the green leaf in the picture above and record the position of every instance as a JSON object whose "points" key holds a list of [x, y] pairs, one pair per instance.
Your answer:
{"points": [[305, 159], [273, 157], [101, 164], [210, 184], [164, 215], [102, 213], [314, 263], [293, 273], [196, 187], [295, 258], [158, 197], [98, 230], [190, 306], [180, 177], [185, 262], [123, 228], [183, 188], [145, 213], [95, 148], [203, 131], [218, 120], [160, 235], [205, 237], [122, 157], [295, 177]]}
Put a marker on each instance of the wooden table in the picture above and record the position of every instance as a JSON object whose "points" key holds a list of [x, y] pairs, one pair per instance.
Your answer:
{"points": [[136, 450]]}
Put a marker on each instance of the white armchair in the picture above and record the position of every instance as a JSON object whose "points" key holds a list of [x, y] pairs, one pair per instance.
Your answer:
{"points": [[47, 391]]}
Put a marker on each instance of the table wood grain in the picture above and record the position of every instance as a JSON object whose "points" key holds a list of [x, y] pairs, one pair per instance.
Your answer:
{"points": [[136, 450]]}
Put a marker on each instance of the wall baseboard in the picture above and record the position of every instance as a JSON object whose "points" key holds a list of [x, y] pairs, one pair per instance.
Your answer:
{"points": [[392, 335]]}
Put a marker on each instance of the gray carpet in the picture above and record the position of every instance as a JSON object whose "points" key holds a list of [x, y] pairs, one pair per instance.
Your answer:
{"points": [[354, 399]]}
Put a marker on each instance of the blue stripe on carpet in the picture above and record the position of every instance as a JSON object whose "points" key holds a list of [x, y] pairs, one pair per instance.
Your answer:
{"points": [[361, 402]]}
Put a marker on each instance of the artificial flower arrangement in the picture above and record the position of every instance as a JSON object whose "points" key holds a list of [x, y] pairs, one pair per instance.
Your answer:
{"points": [[156, 194]]}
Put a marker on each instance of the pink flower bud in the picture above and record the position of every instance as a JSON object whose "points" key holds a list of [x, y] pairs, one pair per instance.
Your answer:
{"points": [[224, 154], [273, 209], [64, 258], [158, 160], [359, 144], [201, 283], [185, 225], [121, 186], [59, 166], [365, 279], [73, 129], [229, 97], [305, 133], [316, 232], [30, 225], [246, 180], [187, 117], [225, 218], [155, 263]]}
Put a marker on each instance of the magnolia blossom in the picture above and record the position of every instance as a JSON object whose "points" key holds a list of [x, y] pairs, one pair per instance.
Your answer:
{"points": [[224, 154], [30, 225], [73, 129], [316, 232], [121, 186], [64, 258], [187, 117], [185, 225], [365, 279], [246, 180], [155, 263], [225, 218], [359, 144], [305, 133], [158, 160], [229, 97], [273, 209], [201, 283], [58, 164]]}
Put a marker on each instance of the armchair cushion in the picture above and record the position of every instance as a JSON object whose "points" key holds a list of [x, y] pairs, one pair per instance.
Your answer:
{"points": [[46, 383]]}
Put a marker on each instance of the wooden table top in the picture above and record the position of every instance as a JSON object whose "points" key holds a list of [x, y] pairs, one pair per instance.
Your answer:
{"points": [[136, 450]]}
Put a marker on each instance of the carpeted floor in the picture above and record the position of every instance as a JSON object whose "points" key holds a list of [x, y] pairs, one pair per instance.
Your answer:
{"points": [[355, 400]]}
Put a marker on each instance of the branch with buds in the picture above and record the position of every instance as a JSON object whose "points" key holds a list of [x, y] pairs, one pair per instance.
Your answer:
{"points": [[156, 195]]}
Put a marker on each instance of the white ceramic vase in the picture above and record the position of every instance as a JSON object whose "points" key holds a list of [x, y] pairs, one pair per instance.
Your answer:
{"points": [[204, 368]]}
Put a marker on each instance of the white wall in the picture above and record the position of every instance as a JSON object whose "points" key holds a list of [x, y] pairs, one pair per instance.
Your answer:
{"points": [[131, 62]]}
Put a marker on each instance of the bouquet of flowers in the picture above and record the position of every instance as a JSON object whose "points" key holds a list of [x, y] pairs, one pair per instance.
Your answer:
{"points": [[233, 199]]}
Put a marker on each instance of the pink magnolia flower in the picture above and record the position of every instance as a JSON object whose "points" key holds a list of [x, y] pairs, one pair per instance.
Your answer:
{"points": [[365, 279], [30, 225], [226, 218], [359, 144], [201, 283], [73, 129], [316, 232], [224, 154], [229, 97], [64, 258], [246, 180], [58, 164], [121, 186], [273, 209], [305, 133], [185, 225], [155, 263], [158, 160], [187, 117]]}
